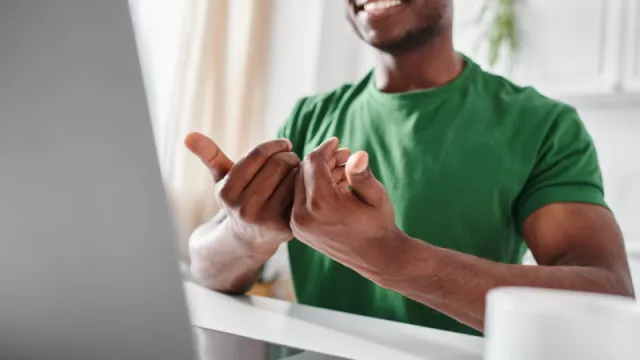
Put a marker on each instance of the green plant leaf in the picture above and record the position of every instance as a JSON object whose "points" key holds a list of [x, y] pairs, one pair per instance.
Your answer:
{"points": [[498, 17]]}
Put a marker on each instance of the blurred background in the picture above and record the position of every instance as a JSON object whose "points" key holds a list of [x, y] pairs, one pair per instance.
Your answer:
{"points": [[233, 70]]}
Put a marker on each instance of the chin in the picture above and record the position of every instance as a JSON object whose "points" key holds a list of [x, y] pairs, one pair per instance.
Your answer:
{"points": [[410, 42], [398, 25]]}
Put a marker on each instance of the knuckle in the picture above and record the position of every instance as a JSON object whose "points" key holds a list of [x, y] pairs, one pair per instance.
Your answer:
{"points": [[315, 156], [248, 213], [295, 158], [281, 144], [274, 146], [289, 159], [315, 159], [257, 154], [279, 165]]}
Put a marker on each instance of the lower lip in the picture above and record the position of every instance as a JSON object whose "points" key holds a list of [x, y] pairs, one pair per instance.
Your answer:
{"points": [[380, 14]]}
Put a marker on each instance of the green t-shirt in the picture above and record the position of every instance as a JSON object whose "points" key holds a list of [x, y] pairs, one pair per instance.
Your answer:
{"points": [[464, 165]]}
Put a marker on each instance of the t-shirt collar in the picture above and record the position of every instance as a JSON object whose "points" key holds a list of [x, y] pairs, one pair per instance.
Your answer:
{"points": [[411, 97]]}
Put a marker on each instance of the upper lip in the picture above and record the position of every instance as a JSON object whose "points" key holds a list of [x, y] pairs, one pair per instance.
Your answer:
{"points": [[361, 3]]}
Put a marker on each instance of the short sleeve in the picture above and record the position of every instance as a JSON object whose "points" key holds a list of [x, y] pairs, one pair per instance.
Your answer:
{"points": [[567, 169]]}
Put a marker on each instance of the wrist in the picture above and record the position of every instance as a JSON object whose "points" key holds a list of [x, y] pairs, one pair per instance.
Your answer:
{"points": [[259, 245], [269, 245], [406, 259]]}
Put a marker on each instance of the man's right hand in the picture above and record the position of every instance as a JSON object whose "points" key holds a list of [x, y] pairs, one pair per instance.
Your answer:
{"points": [[257, 192]]}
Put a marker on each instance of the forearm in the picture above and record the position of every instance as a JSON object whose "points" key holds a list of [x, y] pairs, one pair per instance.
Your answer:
{"points": [[456, 284], [224, 262]]}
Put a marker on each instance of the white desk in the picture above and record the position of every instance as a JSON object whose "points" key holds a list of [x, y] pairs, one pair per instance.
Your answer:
{"points": [[324, 331]]}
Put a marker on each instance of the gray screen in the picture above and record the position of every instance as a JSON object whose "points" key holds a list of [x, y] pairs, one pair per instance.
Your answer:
{"points": [[87, 266]]}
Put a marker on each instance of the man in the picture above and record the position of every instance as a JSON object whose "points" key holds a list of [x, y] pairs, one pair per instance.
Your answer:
{"points": [[457, 172]]}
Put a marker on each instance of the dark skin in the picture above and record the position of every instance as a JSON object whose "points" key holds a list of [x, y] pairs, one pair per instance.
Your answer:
{"points": [[415, 44], [578, 246], [256, 196]]}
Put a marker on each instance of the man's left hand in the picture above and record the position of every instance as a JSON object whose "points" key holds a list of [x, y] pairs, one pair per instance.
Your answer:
{"points": [[356, 226]]}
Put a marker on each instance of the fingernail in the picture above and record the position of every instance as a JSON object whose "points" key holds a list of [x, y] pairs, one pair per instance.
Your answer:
{"points": [[361, 166], [360, 162]]}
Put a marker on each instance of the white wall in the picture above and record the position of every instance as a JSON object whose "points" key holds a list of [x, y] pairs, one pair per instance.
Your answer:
{"points": [[158, 27], [333, 55], [616, 133], [312, 49], [293, 57]]}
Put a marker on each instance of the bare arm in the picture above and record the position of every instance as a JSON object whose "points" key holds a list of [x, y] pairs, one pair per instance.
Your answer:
{"points": [[222, 260], [578, 246], [256, 195]]}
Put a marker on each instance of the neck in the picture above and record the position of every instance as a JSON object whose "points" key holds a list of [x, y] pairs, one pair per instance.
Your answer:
{"points": [[433, 65]]}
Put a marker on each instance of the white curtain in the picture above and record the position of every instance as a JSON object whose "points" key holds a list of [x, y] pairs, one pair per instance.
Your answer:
{"points": [[214, 85]]}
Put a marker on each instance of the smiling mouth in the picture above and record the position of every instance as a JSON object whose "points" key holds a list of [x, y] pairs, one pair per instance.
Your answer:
{"points": [[376, 6]]}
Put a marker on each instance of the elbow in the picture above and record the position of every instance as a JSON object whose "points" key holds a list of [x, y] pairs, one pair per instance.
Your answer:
{"points": [[204, 273], [625, 287], [621, 285], [604, 281], [625, 291], [628, 290]]}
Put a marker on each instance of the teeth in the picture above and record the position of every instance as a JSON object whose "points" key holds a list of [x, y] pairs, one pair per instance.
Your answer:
{"points": [[381, 5]]}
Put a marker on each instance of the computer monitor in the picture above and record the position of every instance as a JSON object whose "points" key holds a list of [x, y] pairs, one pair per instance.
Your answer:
{"points": [[88, 267]]}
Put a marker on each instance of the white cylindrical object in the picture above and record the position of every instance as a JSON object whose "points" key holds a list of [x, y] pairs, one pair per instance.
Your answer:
{"points": [[544, 324]]}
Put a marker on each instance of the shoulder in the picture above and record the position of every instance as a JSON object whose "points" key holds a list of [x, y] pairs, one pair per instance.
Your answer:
{"points": [[332, 100], [532, 105], [530, 111], [549, 137], [313, 113], [326, 103]]}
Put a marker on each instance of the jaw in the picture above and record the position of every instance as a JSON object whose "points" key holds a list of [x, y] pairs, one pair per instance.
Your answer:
{"points": [[382, 21], [390, 24]]}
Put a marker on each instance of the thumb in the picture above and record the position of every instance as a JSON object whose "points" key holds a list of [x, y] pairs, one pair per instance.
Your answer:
{"points": [[210, 154], [362, 181]]}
